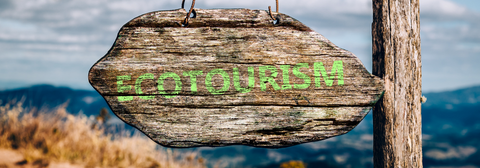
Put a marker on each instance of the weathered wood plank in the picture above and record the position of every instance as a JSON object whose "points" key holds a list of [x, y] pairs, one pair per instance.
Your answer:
{"points": [[397, 59], [303, 87]]}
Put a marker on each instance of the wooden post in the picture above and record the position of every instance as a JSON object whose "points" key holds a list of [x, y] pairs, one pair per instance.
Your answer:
{"points": [[397, 59]]}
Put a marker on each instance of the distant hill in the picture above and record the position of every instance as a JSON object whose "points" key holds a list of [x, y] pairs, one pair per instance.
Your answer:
{"points": [[453, 99], [48, 97], [459, 107]]}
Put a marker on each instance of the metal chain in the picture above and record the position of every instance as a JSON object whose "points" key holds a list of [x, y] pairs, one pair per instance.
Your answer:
{"points": [[185, 22], [270, 10]]}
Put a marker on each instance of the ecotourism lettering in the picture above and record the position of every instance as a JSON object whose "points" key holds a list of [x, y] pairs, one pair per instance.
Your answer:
{"points": [[319, 70]]}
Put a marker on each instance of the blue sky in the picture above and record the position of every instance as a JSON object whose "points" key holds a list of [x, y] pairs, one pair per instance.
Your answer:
{"points": [[57, 41]]}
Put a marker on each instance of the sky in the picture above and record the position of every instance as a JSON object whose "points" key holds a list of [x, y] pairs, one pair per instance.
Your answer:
{"points": [[57, 41]]}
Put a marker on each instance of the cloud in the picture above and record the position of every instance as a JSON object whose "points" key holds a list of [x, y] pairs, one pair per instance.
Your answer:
{"points": [[53, 41], [442, 10], [230, 161], [5, 4], [341, 159], [300, 6], [276, 156], [450, 44], [76, 33], [446, 151]]}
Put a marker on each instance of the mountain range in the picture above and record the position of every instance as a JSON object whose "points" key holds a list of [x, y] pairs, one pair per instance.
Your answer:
{"points": [[451, 133]]}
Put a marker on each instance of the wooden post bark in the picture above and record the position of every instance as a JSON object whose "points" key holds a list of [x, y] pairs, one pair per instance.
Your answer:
{"points": [[397, 59]]}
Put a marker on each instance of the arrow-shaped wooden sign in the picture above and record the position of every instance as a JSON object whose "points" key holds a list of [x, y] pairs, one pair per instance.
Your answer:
{"points": [[232, 76]]}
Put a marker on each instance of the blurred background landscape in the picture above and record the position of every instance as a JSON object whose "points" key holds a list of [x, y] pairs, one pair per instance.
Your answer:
{"points": [[451, 133], [48, 46]]}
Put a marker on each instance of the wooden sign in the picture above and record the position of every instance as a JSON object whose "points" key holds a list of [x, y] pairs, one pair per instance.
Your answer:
{"points": [[232, 76]]}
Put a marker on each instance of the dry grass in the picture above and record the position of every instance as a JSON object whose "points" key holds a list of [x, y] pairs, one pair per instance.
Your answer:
{"points": [[57, 136], [293, 164]]}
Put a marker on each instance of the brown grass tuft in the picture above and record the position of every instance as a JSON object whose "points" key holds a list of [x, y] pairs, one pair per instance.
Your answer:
{"points": [[57, 136]]}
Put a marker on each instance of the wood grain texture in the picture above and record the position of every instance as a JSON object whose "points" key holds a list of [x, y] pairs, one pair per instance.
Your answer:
{"points": [[157, 43], [397, 59]]}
